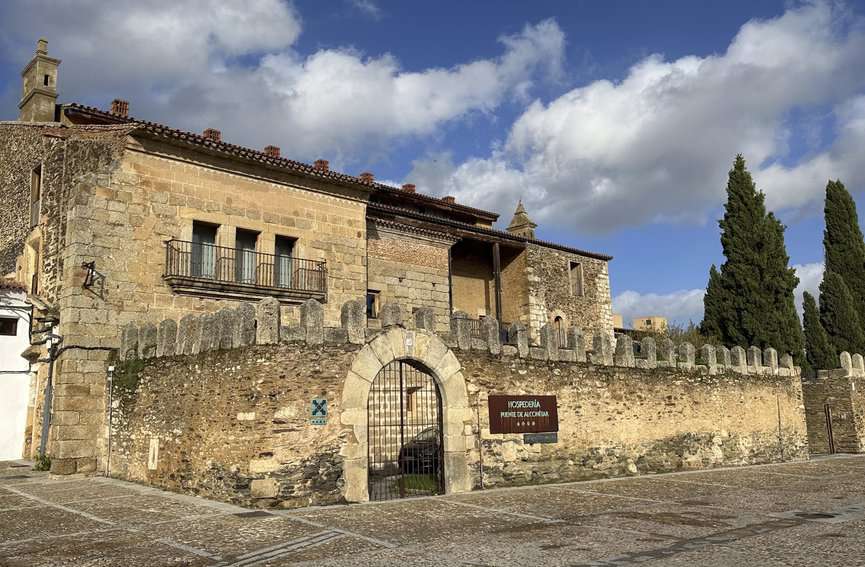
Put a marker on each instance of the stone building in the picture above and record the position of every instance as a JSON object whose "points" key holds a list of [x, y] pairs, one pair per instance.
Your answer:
{"points": [[109, 220]]}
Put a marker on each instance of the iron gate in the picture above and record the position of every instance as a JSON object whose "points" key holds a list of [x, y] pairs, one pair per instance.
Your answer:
{"points": [[404, 415]]}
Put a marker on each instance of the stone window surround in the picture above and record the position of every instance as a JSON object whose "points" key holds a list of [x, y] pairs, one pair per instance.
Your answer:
{"points": [[434, 355], [575, 267]]}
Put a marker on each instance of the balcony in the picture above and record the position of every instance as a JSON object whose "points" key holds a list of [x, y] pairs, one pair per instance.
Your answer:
{"points": [[207, 270]]}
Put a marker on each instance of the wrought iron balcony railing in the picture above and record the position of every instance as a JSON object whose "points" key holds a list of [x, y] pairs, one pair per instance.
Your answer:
{"points": [[197, 267]]}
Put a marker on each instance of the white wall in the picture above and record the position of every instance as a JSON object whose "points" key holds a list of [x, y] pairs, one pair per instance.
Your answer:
{"points": [[14, 377]]}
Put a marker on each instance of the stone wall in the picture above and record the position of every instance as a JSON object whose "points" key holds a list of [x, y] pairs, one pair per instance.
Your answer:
{"points": [[550, 294], [841, 391], [410, 267], [199, 408]]}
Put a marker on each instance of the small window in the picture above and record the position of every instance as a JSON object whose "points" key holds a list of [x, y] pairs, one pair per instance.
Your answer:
{"points": [[576, 275], [46, 80], [8, 326], [372, 304]]}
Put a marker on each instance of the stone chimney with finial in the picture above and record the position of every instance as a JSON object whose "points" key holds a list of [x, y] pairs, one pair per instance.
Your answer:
{"points": [[39, 86], [521, 224]]}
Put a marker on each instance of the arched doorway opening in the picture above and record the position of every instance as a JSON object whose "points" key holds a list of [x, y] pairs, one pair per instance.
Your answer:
{"points": [[405, 440], [561, 331]]}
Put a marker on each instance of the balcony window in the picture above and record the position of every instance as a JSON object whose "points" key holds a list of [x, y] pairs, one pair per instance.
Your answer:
{"points": [[200, 267], [284, 248]]}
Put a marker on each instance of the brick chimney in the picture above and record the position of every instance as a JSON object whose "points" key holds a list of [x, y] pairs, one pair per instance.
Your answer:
{"points": [[321, 165], [408, 187], [272, 151], [120, 107], [367, 177], [449, 200], [213, 134]]}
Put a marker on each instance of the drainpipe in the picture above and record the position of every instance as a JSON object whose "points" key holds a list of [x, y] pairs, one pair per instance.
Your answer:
{"points": [[53, 341]]}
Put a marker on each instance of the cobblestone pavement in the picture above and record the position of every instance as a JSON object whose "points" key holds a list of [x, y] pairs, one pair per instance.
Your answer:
{"points": [[807, 513]]}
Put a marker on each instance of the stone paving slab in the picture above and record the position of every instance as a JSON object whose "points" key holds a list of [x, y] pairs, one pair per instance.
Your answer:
{"points": [[807, 513]]}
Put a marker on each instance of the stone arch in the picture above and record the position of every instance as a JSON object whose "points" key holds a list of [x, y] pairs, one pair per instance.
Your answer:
{"points": [[430, 351]]}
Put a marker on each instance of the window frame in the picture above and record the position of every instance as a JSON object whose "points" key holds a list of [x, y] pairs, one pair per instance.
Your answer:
{"points": [[373, 309], [576, 267], [4, 319]]}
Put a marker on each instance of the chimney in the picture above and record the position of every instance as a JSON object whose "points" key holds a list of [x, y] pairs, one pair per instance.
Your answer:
{"points": [[120, 107], [408, 187], [367, 177], [449, 200], [213, 134], [321, 165], [272, 151]]}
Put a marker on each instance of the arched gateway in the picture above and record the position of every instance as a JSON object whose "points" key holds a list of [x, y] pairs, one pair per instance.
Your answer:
{"points": [[406, 410]]}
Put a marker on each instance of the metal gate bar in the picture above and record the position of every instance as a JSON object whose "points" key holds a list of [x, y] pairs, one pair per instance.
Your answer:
{"points": [[404, 434]]}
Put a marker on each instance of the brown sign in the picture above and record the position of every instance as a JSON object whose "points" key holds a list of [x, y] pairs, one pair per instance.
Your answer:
{"points": [[523, 414]]}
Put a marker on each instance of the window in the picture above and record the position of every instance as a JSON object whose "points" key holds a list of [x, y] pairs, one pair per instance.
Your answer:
{"points": [[561, 332], [372, 304], [283, 253], [576, 275], [46, 80], [203, 260], [8, 326], [35, 196], [245, 270]]}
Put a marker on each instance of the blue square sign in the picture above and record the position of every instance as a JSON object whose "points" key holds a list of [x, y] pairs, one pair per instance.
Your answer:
{"points": [[318, 415]]}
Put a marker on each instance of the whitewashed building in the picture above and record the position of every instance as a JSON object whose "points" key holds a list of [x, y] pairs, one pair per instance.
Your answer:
{"points": [[14, 370]]}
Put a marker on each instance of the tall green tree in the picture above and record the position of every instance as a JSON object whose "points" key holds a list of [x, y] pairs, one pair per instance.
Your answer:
{"points": [[819, 351], [838, 315], [751, 301], [843, 243]]}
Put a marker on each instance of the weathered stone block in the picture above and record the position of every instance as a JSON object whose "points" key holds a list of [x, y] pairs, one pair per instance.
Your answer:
{"points": [[722, 355], [264, 488], [424, 318], [577, 343], [549, 342], [846, 361], [537, 353], [755, 359], [461, 330], [770, 360], [189, 335], [602, 350], [666, 352], [738, 359], [245, 329], [510, 350], [129, 342], [518, 336], [335, 336], [687, 356], [625, 351], [491, 334], [786, 361], [708, 358], [147, 340], [227, 327], [353, 319], [649, 352], [166, 338], [211, 327], [267, 326], [858, 365], [567, 355], [312, 321], [391, 315]]}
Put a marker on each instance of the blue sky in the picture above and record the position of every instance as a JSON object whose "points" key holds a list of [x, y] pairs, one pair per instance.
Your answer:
{"points": [[614, 121]]}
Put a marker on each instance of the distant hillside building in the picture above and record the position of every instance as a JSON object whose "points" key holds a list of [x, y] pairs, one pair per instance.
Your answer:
{"points": [[653, 323]]}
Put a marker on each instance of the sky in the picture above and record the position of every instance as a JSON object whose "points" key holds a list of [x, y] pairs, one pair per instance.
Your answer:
{"points": [[615, 122]]}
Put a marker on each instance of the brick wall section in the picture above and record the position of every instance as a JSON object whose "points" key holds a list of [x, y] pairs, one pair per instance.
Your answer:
{"points": [[550, 290], [235, 426], [837, 391], [410, 269]]}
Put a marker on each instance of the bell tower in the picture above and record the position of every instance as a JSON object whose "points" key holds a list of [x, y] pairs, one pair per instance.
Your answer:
{"points": [[39, 86], [521, 224]]}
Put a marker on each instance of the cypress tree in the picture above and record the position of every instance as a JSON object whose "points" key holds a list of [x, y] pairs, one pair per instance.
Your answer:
{"points": [[751, 301], [820, 353], [713, 306], [838, 315], [843, 243]]}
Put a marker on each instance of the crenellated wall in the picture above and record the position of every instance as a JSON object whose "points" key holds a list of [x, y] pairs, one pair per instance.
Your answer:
{"points": [[218, 404]]}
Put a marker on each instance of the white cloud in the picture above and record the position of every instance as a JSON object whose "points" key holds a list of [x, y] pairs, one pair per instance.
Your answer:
{"points": [[683, 306], [368, 7], [657, 145], [232, 66]]}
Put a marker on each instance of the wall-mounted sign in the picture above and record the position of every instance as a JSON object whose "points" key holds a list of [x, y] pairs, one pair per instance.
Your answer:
{"points": [[523, 414], [318, 415]]}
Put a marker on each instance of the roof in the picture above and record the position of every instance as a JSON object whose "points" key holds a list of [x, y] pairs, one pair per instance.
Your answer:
{"points": [[233, 150], [486, 231], [241, 152]]}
